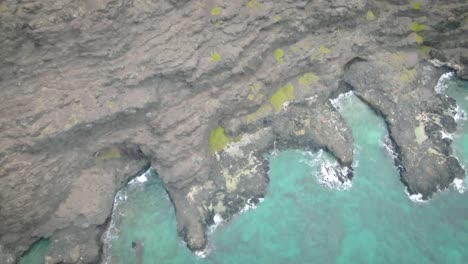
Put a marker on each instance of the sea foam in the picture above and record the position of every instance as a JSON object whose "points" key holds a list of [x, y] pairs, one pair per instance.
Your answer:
{"points": [[330, 174], [459, 185], [415, 198], [442, 83], [338, 101]]}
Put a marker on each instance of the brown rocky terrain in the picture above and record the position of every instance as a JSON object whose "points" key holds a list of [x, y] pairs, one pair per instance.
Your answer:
{"points": [[94, 92]]}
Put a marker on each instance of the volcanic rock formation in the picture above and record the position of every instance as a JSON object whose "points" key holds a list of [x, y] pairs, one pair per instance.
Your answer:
{"points": [[94, 91]]}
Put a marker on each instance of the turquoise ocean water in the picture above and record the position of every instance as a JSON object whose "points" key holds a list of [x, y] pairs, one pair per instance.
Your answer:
{"points": [[304, 221]]}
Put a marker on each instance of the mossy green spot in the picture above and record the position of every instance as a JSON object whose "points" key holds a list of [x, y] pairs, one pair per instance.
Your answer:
{"points": [[307, 79], [277, 18], [216, 11], [370, 15], [253, 3], [418, 38], [218, 139], [324, 50], [109, 154], [416, 27], [408, 76], [279, 54], [215, 56], [281, 96], [416, 6], [262, 111], [425, 50]]}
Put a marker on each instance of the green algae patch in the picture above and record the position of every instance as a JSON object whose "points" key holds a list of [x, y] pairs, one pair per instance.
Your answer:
{"points": [[416, 6], [261, 112], [416, 27], [215, 56], [408, 76], [324, 50], [277, 18], [370, 15], [253, 3], [218, 139], [418, 38], [281, 96], [307, 79], [425, 50], [216, 11], [279, 54], [112, 153]]}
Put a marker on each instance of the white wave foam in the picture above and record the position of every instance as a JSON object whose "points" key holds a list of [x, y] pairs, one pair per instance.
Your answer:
{"points": [[415, 198], [219, 221], [446, 135], [250, 205], [112, 231], [202, 253], [142, 178], [442, 84], [330, 174], [388, 146], [338, 101], [459, 185], [458, 114]]}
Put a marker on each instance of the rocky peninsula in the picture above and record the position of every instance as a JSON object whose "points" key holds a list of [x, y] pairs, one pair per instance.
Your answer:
{"points": [[94, 92]]}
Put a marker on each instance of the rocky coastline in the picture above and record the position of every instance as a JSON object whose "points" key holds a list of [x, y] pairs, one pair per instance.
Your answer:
{"points": [[93, 92]]}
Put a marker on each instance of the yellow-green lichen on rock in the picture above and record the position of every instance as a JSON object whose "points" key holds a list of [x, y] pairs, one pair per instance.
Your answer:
{"points": [[281, 96], [425, 50], [418, 38], [218, 139], [277, 18], [324, 50], [253, 3], [420, 134], [300, 132], [416, 6], [370, 15], [231, 181], [416, 27], [109, 154], [216, 11], [408, 76], [262, 111], [279, 54], [307, 79], [233, 178], [215, 56]]}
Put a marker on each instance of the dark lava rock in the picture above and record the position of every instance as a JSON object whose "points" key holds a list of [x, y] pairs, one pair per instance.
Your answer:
{"points": [[93, 91]]}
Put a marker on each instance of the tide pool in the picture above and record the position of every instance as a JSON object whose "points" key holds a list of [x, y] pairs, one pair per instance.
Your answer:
{"points": [[303, 221]]}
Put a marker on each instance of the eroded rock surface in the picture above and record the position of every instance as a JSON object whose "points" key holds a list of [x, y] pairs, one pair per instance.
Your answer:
{"points": [[93, 91], [418, 118]]}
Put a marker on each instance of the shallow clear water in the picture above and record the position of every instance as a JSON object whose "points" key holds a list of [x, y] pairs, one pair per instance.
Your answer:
{"points": [[36, 254], [301, 221]]}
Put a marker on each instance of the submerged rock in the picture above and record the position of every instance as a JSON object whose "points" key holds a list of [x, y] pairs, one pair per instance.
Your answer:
{"points": [[94, 91]]}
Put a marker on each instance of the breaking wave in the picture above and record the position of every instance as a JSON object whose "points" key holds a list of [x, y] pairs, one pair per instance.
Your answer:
{"points": [[330, 173], [443, 82]]}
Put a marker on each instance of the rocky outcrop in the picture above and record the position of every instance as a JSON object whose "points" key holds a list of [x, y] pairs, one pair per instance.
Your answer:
{"points": [[419, 120], [94, 91]]}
